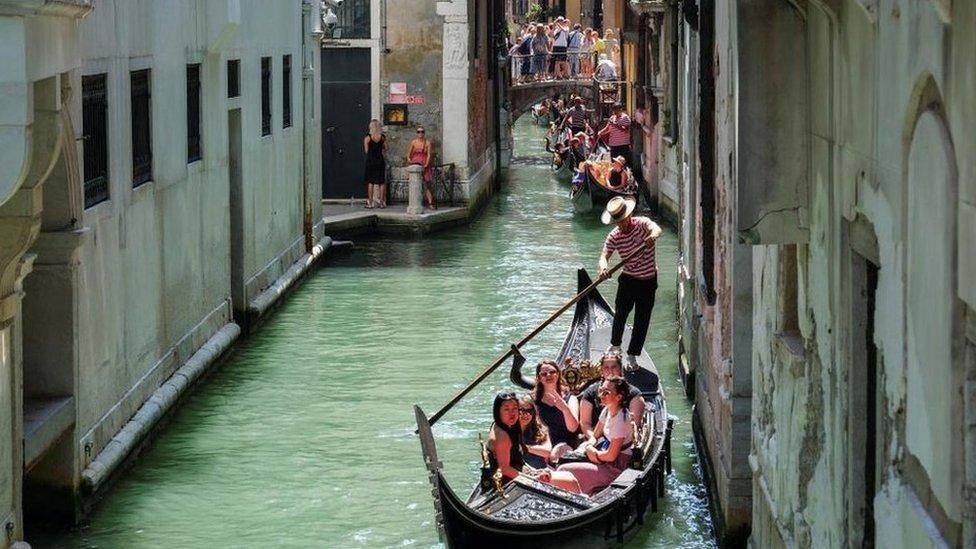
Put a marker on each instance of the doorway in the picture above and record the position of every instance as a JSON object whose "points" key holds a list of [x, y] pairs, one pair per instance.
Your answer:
{"points": [[235, 173], [863, 402], [346, 111]]}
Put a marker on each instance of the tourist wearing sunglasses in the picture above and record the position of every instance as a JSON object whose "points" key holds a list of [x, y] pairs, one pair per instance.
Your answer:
{"points": [[535, 435], [608, 450], [421, 152], [558, 408]]}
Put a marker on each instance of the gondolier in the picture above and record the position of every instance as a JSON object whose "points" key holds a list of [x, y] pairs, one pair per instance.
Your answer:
{"points": [[616, 134], [638, 283]]}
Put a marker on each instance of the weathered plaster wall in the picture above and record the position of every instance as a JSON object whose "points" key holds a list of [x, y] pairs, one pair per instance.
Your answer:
{"points": [[892, 105], [414, 39]]}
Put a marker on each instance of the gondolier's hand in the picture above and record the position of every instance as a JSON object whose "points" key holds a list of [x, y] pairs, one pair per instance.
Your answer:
{"points": [[604, 273]]}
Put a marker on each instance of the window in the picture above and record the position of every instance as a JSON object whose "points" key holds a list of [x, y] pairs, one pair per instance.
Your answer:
{"points": [[141, 127], [265, 96], [94, 113], [286, 92], [353, 21], [193, 149], [234, 78]]}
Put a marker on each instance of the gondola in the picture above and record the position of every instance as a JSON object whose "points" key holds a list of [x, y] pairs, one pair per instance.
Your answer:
{"points": [[600, 193], [581, 197], [541, 120], [563, 173], [524, 512]]}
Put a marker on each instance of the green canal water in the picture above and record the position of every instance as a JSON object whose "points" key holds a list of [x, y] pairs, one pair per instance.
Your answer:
{"points": [[304, 437]]}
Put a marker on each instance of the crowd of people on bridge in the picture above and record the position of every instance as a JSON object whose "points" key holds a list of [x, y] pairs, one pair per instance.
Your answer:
{"points": [[562, 50]]}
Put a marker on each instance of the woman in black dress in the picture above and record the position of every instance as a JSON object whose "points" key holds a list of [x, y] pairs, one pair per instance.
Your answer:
{"points": [[374, 145]]}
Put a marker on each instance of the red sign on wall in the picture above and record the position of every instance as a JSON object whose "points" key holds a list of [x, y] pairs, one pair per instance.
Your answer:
{"points": [[403, 99]]}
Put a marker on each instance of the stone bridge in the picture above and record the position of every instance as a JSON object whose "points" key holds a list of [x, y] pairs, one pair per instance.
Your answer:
{"points": [[521, 97]]}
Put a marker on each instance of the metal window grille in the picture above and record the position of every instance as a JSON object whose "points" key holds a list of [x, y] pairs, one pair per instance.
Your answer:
{"points": [[354, 20], [286, 92], [234, 78], [95, 127], [265, 96], [193, 147], [141, 98]]}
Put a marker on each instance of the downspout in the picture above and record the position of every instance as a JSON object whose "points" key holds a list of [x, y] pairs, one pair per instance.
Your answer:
{"points": [[312, 34]]}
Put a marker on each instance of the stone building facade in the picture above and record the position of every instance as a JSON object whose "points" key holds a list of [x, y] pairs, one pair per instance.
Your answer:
{"points": [[158, 190], [442, 52], [824, 159]]}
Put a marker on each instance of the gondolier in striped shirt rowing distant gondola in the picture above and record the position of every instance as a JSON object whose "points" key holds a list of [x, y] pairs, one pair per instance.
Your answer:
{"points": [[616, 134], [638, 283]]}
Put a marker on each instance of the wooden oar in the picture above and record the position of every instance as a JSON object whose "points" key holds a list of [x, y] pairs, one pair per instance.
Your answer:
{"points": [[514, 348]]}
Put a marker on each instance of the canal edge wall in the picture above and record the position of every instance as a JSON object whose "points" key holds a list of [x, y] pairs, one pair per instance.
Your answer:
{"points": [[141, 429]]}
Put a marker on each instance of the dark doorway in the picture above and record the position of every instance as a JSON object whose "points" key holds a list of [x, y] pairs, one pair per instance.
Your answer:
{"points": [[236, 213], [863, 404], [346, 111]]}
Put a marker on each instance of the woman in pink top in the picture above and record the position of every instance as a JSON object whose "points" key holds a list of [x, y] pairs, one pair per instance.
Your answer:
{"points": [[420, 154]]}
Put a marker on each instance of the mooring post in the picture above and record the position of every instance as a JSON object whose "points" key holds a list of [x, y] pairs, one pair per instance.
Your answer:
{"points": [[415, 204]]}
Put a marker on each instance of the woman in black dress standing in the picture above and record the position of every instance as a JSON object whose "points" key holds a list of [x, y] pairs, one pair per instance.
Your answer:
{"points": [[374, 145]]}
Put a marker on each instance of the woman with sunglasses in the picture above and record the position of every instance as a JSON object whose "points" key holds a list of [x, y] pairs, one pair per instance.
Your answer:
{"points": [[420, 153], [608, 450], [558, 408], [506, 449], [535, 436]]}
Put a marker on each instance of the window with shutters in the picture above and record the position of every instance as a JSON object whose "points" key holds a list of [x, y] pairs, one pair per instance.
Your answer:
{"points": [[286, 91], [193, 147], [265, 96], [141, 100], [95, 127]]}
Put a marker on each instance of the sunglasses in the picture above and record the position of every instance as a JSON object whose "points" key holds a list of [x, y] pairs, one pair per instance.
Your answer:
{"points": [[527, 411], [420, 131], [605, 392], [549, 373]]}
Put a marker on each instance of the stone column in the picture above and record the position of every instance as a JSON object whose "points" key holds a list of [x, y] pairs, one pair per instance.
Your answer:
{"points": [[455, 73], [415, 192]]}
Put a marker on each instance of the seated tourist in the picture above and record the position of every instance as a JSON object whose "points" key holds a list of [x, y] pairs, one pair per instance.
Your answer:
{"points": [[590, 405], [608, 451], [505, 446], [535, 436], [618, 179], [558, 408], [577, 145]]}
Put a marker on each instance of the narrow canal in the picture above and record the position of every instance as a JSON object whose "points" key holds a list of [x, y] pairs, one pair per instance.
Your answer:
{"points": [[304, 438]]}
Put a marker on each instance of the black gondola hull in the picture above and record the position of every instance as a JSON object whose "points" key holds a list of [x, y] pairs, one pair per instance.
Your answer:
{"points": [[534, 515]]}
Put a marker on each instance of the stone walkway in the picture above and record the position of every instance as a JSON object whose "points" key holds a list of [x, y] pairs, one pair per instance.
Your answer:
{"points": [[345, 220]]}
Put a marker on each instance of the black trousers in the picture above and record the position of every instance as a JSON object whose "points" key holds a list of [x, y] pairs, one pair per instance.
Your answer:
{"points": [[633, 293], [621, 150]]}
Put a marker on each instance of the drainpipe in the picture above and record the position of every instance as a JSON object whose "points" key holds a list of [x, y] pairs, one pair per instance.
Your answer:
{"points": [[312, 34]]}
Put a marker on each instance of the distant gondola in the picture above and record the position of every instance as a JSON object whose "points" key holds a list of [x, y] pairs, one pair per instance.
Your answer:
{"points": [[524, 512], [592, 192]]}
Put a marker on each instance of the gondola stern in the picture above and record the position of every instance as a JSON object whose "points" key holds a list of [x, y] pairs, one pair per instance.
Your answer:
{"points": [[429, 449]]}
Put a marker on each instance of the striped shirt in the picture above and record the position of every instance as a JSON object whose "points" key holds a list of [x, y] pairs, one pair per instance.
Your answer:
{"points": [[577, 118], [642, 266], [618, 133]]}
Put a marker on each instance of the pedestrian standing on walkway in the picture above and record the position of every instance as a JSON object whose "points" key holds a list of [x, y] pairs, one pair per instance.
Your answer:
{"points": [[420, 153], [560, 45], [586, 54], [616, 134], [540, 53], [574, 49], [638, 282], [374, 145]]}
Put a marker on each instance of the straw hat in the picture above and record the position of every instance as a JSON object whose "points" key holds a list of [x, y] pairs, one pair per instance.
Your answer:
{"points": [[618, 209], [620, 160]]}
